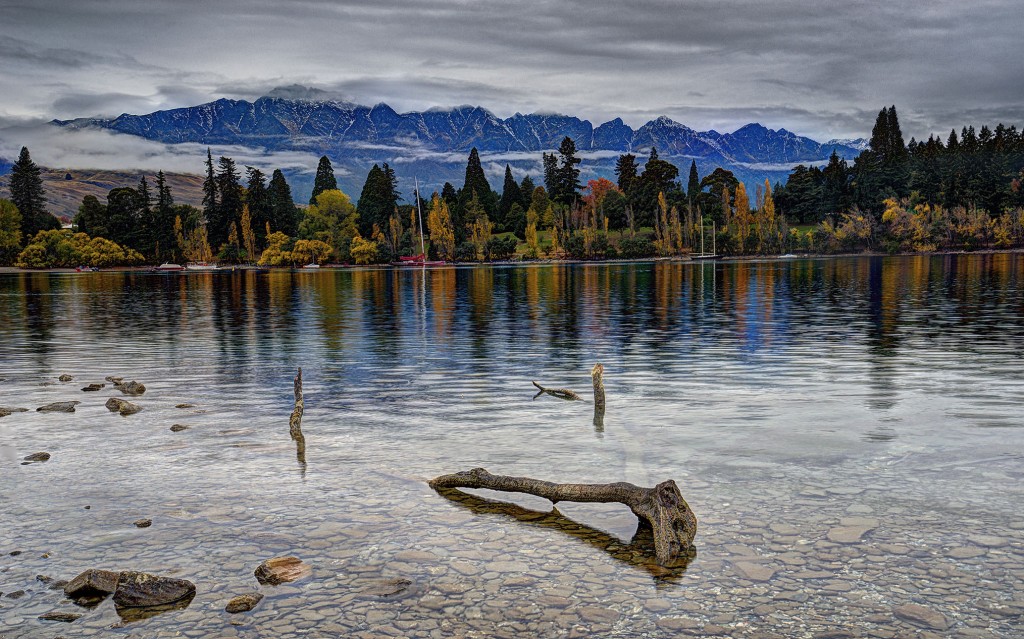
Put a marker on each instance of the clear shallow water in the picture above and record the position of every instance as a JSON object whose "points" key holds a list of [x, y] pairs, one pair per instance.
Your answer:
{"points": [[848, 432]]}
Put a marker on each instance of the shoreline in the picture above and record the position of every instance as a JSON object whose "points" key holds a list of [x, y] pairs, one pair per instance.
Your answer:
{"points": [[7, 270]]}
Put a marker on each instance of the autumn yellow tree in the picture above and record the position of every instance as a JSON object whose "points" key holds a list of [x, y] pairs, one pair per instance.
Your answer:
{"points": [[194, 244], [439, 225], [248, 237], [742, 219], [532, 245]]}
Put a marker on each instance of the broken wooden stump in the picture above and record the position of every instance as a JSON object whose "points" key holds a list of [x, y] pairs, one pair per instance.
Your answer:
{"points": [[597, 374], [295, 421], [663, 508]]}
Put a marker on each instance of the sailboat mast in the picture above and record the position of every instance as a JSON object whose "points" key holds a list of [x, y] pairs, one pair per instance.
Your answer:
{"points": [[419, 216]]}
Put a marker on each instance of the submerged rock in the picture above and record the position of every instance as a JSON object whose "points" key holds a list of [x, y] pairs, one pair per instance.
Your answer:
{"points": [[122, 406], [114, 380], [65, 378], [37, 457], [93, 387], [387, 587], [921, 616], [7, 410], [143, 523], [243, 603], [92, 583], [281, 570], [142, 590], [131, 388], [65, 617], [177, 428], [58, 407], [185, 405]]}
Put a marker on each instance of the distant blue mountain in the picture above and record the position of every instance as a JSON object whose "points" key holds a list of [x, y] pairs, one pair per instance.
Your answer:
{"points": [[5, 166], [433, 144]]}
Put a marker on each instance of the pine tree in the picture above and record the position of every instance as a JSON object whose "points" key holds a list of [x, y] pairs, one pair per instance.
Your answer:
{"points": [[209, 190], [228, 211], [325, 180], [510, 196], [29, 197], [284, 215], [476, 184], [163, 236], [144, 232], [626, 172], [568, 180], [693, 184], [550, 173], [257, 198], [378, 199], [526, 188]]}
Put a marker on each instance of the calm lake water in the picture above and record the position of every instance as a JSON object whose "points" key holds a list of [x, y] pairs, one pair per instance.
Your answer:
{"points": [[849, 433]]}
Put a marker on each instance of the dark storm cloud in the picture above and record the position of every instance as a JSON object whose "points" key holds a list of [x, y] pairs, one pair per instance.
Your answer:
{"points": [[818, 68]]}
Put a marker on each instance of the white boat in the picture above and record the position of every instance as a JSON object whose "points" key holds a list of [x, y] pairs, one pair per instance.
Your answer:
{"points": [[168, 266], [201, 266], [311, 265]]}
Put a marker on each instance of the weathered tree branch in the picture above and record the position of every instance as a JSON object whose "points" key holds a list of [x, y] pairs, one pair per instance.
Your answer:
{"points": [[662, 508], [560, 393]]}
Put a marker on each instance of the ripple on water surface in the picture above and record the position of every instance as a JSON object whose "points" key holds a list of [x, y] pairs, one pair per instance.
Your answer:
{"points": [[848, 432]]}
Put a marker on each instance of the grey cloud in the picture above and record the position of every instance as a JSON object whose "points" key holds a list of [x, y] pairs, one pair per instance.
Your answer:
{"points": [[100, 149], [821, 69]]}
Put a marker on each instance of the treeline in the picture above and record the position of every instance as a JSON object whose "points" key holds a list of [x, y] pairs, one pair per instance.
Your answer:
{"points": [[975, 169], [961, 194]]}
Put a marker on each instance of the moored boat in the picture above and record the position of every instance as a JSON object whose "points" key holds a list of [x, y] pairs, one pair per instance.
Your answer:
{"points": [[169, 267], [201, 266]]}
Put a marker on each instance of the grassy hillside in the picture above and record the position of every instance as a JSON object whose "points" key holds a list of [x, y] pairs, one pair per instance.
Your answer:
{"points": [[65, 195]]}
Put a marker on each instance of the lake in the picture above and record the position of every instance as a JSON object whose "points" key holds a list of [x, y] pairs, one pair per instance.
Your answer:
{"points": [[848, 431]]}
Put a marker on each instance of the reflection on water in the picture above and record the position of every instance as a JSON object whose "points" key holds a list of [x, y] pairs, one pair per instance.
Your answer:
{"points": [[848, 432]]}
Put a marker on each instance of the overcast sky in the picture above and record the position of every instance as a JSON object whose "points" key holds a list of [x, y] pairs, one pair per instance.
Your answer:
{"points": [[819, 68]]}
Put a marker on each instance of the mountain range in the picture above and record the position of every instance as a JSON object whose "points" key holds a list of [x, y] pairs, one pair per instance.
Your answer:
{"points": [[433, 145]]}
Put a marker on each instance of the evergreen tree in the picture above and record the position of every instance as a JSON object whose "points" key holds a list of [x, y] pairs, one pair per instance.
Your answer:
{"points": [[257, 198], [143, 233], [550, 173], [378, 199], [568, 175], [164, 241], [510, 196], [209, 190], [91, 218], [284, 215], [228, 212], [325, 180], [28, 196], [10, 232], [476, 184], [123, 216], [526, 188], [626, 172], [693, 184]]}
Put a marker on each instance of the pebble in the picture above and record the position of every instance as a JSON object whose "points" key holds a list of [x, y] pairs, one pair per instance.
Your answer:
{"points": [[143, 523], [58, 407], [848, 534], [243, 603], [65, 617], [177, 428]]}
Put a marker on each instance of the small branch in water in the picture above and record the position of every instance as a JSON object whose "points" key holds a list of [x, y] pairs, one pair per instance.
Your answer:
{"points": [[560, 393], [662, 508]]}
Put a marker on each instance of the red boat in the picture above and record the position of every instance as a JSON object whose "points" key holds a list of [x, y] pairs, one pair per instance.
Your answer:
{"points": [[416, 260]]}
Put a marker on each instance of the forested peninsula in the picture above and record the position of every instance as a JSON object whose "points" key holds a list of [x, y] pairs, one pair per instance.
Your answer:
{"points": [[964, 193]]}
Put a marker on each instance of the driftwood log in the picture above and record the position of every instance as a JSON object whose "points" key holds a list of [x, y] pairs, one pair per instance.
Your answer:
{"points": [[662, 508], [295, 421]]}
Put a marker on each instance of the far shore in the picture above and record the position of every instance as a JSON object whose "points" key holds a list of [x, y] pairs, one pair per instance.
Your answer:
{"points": [[541, 262]]}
